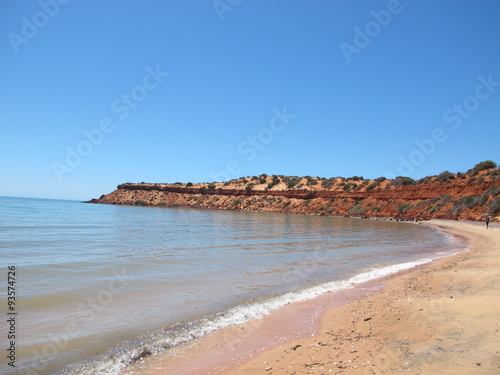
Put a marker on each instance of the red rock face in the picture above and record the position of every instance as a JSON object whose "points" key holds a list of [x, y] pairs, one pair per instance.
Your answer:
{"points": [[466, 198]]}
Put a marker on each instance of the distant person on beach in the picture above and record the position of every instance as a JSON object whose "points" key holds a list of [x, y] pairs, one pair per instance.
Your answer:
{"points": [[487, 222]]}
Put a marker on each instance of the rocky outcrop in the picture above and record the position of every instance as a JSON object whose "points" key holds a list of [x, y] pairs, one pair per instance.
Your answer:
{"points": [[461, 196]]}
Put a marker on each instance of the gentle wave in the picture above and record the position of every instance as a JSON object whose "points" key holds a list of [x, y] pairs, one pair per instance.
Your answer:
{"points": [[113, 364], [116, 273]]}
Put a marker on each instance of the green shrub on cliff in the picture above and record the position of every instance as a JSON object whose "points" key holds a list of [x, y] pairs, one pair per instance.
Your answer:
{"points": [[424, 180], [488, 164], [494, 207], [161, 204], [401, 180], [480, 200], [495, 175], [312, 181], [292, 181], [404, 208], [421, 204], [445, 199], [357, 210], [493, 191], [275, 182], [434, 209], [445, 176], [140, 202], [467, 201], [189, 184], [455, 211], [328, 183]]}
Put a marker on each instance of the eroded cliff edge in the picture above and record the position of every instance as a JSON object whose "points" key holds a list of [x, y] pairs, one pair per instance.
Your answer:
{"points": [[463, 196]]}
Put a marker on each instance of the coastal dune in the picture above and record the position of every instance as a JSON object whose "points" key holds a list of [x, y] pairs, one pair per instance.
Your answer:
{"points": [[439, 318]]}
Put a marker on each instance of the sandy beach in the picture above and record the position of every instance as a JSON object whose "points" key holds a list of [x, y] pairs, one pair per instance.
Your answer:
{"points": [[440, 318]]}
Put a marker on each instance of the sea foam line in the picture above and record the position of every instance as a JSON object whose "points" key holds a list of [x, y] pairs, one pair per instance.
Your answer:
{"points": [[171, 337]]}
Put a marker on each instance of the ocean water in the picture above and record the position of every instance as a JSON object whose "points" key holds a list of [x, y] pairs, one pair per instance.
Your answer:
{"points": [[98, 286]]}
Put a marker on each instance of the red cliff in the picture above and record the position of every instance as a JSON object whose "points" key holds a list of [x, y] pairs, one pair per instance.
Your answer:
{"points": [[463, 196]]}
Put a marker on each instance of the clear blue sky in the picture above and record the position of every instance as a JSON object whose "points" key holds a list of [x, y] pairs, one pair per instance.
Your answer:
{"points": [[185, 90]]}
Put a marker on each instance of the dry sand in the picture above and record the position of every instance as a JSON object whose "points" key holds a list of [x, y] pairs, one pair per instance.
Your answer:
{"points": [[442, 318]]}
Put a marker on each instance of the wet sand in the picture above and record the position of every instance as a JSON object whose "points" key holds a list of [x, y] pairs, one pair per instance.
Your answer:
{"points": [[441, 318]]}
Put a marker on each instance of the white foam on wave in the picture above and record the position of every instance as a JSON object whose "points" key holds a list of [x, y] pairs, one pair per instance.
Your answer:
{"points": [[167, 338]]}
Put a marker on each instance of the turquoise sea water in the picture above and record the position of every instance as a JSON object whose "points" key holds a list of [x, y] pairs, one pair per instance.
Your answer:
{"points": [[99, 285]]}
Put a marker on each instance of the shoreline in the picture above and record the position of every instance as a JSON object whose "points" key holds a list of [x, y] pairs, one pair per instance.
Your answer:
{"points": [[395, 218], [441, 318], [229, 342]]}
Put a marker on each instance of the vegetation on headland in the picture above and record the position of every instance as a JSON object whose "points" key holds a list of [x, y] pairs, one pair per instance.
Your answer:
{"points": [[465, 196]]}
